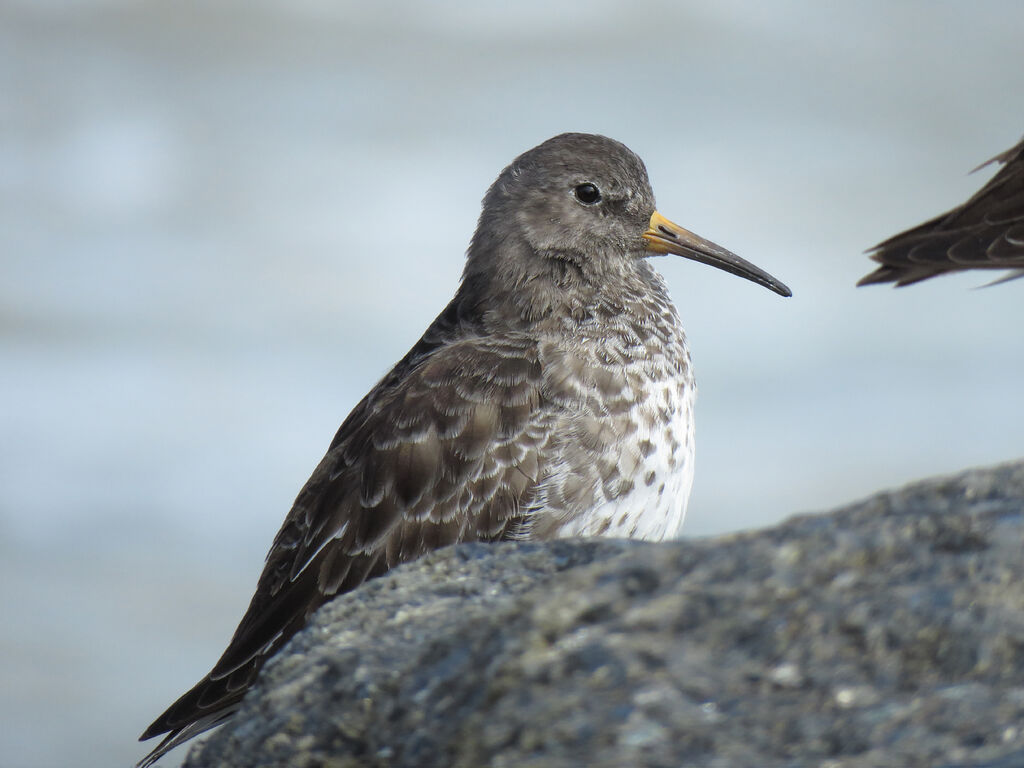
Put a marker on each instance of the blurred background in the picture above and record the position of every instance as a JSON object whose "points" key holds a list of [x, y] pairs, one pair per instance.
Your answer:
{"points": [[221, 222]]}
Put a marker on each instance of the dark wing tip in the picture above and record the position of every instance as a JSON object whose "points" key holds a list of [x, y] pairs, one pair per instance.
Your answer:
{"points": [[962, 238]]}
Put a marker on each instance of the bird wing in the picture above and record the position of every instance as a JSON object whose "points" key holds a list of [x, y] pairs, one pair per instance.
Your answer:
{"points": [[445, 449], [986, 232]]}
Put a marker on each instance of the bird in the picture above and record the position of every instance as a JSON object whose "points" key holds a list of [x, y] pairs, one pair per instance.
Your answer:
{"points": [[986, 232], [552, 397]]}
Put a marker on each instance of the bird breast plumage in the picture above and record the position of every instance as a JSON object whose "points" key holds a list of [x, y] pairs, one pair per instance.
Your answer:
{"points": [[621, 454]]}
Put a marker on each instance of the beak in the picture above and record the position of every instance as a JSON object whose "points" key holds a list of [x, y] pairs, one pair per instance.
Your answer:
{"points": [[662, 236]]}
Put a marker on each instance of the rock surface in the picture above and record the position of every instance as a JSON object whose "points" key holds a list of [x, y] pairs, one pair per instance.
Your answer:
{"points": [[886, 633]]}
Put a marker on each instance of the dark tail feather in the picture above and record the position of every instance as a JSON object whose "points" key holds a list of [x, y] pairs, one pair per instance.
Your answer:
{"points": [[181, 735]]}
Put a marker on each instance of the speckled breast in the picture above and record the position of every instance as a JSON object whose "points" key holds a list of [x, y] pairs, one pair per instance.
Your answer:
{"points": [[621, 458]]}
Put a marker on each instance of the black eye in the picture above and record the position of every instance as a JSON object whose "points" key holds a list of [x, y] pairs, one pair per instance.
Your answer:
{"points": [[587, 194]]}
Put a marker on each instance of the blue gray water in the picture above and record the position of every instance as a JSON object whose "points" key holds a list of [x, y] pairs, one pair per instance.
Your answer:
{"points": [[220, 223]]}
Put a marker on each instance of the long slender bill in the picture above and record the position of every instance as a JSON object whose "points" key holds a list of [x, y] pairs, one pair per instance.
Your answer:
{"points": [[663, 236]]}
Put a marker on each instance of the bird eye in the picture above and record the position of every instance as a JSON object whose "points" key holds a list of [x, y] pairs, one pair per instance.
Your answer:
{"points": [[587, 194]]}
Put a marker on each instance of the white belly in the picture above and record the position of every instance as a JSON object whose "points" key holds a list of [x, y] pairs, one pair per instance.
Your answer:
{"points": [[658, 458]]}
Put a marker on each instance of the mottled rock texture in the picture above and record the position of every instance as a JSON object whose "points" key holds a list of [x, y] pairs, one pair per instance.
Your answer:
{"points": [[886, 633]]}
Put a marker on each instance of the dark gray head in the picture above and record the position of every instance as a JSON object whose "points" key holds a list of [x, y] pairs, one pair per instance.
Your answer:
{"points": [[578, 211], [576, 197]]}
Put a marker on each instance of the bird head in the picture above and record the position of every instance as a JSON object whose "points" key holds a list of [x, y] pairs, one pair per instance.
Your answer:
{"points": [[578, 210]]}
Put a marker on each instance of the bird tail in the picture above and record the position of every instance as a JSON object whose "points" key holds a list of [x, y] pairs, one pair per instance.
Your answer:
{"points": [[180, 736]]}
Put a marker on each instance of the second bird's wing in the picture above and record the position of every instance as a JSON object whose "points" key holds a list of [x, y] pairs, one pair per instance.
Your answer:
{"points": [[986, 232]]}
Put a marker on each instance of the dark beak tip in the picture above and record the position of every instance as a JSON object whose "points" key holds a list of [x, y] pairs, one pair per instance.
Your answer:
{"points": [[662, 236]]}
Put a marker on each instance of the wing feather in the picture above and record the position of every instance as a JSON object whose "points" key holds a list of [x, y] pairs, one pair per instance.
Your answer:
{"points": [[447, 448], [983, 233]]}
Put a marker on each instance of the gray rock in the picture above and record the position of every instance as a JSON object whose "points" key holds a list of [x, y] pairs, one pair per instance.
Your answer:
{"points": [[887, 633]]}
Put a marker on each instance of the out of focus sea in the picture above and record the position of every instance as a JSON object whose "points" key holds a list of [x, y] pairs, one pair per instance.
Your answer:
{"points": [[221, 222]]}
